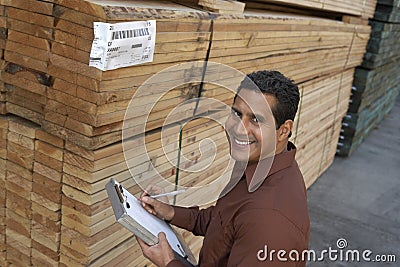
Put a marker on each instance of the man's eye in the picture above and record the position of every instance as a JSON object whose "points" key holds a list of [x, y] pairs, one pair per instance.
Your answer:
{"points": [[255, 120], [235, 113]]}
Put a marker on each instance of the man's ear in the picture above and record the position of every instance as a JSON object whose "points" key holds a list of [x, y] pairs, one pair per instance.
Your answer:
{"points": [[284, 130]]}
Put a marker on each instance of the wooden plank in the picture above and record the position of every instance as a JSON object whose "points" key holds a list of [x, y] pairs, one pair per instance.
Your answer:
{"points": [[22, 127], [20, 155], [35, 6], [24, 113], [30, 17], [223, 6], [27, 51], [53, 225], [28, 39], [43, 214], [84, 141], [45, 236], [356, 8], [23, 83], [50, 139], [131, 10], [18, 224], [17, 169], [48, 161], [29, 62], [26, 99], [39, 259], [21, 140], [66, 261], [17, 251], [47, 188], [120, 256], [18, 205], [29, 28], [18, 185], [48, 253]]}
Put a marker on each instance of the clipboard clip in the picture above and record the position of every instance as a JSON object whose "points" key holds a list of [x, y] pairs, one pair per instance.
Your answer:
{"points": [[185, 256], [121, 196]]}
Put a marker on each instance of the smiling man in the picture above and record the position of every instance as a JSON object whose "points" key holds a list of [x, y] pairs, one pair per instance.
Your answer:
{"points": [[263, 219]]}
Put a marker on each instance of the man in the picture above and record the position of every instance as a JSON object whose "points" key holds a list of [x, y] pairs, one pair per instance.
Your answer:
{"points": [[263, 220]]}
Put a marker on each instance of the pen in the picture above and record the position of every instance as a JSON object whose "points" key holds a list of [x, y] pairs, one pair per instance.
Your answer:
{"points": [[169, 193]]}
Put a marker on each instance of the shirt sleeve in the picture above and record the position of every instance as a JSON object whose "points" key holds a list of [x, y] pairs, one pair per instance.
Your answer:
{"points": [[193, 219], [175, 263], [266, 238]]}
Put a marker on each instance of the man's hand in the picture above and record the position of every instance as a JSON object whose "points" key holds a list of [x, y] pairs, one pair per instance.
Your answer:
{"points": [[160, 254], [160, 209]]}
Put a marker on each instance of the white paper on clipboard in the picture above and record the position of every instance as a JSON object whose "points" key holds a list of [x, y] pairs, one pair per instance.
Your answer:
{"points": [[152, 223]]}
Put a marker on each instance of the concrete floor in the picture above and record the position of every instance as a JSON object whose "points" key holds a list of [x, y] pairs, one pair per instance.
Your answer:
{"points": [[358, 199]]}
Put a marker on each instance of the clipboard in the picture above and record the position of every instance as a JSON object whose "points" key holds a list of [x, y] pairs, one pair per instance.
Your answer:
{"points": [[129, 213]]}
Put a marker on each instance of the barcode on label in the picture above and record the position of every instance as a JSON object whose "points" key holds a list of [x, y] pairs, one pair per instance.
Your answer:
{"points": [[130, 33]]}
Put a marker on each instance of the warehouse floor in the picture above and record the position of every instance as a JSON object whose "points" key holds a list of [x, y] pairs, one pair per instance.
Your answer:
{"points": [[358, 199]]}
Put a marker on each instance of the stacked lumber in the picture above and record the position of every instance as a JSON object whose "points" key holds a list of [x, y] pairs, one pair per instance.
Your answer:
{"points": [[79, 111], [3, 37], [18, 185], [3, 162], [29, 32], [69, 218], [317, 145], [223, 6], [32, 18], [383, 45], [46, 199], [356, 126], [359, 8], [277, 41], [88, 105], [88, 219], [376, 81], [369, 85], [388, 10]]}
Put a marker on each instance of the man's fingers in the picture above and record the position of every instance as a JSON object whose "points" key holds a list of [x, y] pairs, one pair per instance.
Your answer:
{"points": [[152, 202], [162, 237], [142, 244], [144, 194], [151, 205]]}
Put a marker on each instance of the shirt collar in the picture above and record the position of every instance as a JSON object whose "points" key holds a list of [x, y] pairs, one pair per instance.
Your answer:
{"points": [[257, 172]]}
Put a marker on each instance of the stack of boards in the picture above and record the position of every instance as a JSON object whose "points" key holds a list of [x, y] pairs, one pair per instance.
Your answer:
{"points": [[61, 128], [358, 8], [223, 6], [377, 81]]}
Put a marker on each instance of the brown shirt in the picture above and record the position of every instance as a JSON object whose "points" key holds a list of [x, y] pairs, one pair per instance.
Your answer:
{"points": [[243, 228]]}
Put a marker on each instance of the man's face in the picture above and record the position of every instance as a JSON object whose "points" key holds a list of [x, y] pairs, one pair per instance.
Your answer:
{"points": [[251, 126]]}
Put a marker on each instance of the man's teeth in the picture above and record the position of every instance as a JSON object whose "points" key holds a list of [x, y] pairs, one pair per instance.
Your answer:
{"points": [[242, 142]]}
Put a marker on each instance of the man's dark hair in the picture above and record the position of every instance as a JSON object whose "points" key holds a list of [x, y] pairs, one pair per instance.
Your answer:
{"points": [[275, 83]]}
